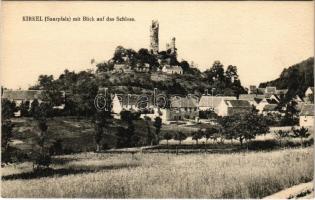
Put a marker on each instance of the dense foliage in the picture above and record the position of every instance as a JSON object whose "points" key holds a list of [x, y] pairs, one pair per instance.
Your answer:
{"points": [[297, 78], [82, 87]]}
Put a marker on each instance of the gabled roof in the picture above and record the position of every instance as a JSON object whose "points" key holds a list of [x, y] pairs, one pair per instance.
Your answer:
{"points": [[310, 88], [283, 91], [270, 89], [297, 98], [184, 102], [22, 94], [237, 103], [261, 90], [258, 100], [175, 67], [251, 97], [270, 107], [269, 95], [307, 110], [208, 101], [271, 101]]}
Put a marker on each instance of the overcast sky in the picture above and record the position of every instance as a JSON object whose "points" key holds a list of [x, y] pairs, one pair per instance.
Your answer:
{"points": [[260, 38]]}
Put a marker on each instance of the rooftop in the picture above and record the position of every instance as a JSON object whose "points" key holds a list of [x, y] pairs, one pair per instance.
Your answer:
{"points": [[208, 101], [22, 94], [307, 110], [237, 103]]}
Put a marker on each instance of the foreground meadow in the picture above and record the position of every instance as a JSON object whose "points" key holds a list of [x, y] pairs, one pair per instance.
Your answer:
{"points": [[90, 175]]}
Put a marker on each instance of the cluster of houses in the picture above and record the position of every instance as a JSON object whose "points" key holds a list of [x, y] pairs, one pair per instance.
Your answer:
{"points": [[143, 68], [20, 96], [187, 108]]}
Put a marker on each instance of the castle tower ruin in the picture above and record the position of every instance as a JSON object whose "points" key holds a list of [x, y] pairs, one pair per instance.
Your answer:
{"points": [[173, 48], [154, 37]]}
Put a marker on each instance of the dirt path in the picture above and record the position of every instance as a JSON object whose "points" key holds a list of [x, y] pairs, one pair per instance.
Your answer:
{"points": [[301, 191]]}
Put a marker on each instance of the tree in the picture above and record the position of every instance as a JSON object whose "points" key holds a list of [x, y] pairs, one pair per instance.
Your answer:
{"points": [[210, 133], [104, 67], [244, 126], [43, 111], [151, 136], [291, 114], [45, 81], [167, 136], [280, 134], [301, 133], [184, 65], [197, 135], [180, 136], [216, 72], [120, 52], [41, 154], [85, 89], [132, 137], [158, 125], [100, 125], [126, 116], [6, 135], [34, 107], [7, 109], [231, 74], [24, 108]]}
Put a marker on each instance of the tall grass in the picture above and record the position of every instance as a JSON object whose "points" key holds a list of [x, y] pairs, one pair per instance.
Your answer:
{"points": [[239, 175]]}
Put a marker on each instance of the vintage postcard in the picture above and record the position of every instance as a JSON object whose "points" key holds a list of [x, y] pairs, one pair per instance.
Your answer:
{"points": [[157, 99]]}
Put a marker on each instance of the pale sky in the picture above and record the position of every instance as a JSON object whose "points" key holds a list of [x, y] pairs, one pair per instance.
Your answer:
{"points": [[260, 38]]}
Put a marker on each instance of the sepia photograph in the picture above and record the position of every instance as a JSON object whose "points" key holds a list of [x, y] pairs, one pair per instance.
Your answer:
{"points": [[157, 99]]}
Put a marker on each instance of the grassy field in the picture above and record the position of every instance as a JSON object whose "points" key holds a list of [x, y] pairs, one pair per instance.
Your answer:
{"points": [[237, 175], [76, 135]]}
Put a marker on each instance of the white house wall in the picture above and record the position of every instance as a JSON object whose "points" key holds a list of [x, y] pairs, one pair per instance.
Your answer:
{"points": [[306, 121]]}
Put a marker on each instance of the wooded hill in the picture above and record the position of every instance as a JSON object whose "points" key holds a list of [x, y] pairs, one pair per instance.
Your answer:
{"points": [[297, 78], [225, 80]]}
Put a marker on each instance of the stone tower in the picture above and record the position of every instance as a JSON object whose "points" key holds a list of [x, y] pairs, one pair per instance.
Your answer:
{"points": [[154, 37], [173, 48]]}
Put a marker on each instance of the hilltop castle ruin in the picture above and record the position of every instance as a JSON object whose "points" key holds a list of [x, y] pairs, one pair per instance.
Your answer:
{"points": [[154, 40], [154, 37]]}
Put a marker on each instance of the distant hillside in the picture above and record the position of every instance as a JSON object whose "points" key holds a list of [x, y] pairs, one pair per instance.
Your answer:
{"points": [[297, 78]]}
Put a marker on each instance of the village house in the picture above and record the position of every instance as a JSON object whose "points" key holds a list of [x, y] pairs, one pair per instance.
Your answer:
{"points": [[122, 68], [212, 102], [172, 69], [252, 89], [265, 101], [253, 99], [307, 115], [131, 102], [231, 107], [142, 67], [309, 95], [270, 109], [268, 91], [273, 97], [179, 109], [20, 96]]}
